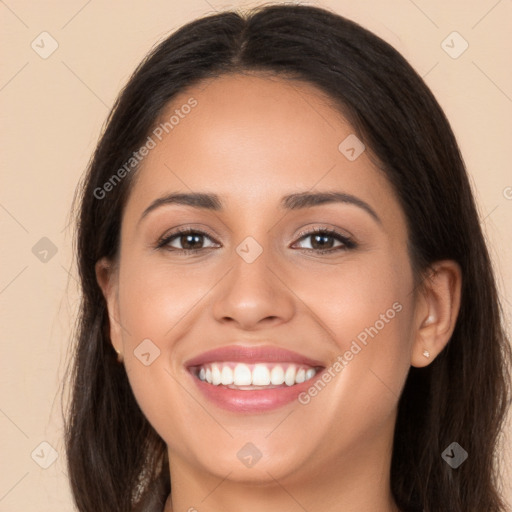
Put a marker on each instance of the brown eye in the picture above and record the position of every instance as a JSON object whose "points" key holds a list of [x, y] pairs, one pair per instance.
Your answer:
{"points": [[326, 241], [191, 241], [187, 240]]}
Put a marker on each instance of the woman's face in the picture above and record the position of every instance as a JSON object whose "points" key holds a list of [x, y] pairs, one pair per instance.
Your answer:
{"points": [[258, 282]]}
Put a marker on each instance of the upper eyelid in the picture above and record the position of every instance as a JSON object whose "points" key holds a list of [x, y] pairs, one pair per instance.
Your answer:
{"points": [[322, 229]]}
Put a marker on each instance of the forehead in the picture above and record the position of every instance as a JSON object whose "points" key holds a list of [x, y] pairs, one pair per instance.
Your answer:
{"points": [[251, 138]]}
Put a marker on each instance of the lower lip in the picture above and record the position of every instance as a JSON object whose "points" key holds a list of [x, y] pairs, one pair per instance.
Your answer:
{"points": [[258, 400]]}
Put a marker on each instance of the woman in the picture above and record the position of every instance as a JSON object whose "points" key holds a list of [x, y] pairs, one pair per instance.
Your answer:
{"points": [[278, 239]]}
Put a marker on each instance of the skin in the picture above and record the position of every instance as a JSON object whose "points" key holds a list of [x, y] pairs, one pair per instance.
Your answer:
{"points": [[251, 140]]}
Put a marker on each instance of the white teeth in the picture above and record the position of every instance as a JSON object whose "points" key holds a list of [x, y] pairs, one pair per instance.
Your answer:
{"points": [[277, 375], [226, 377], [301, 376], [310, 373], [259, 374], [216, 377], [242, 376], [289, 376]]}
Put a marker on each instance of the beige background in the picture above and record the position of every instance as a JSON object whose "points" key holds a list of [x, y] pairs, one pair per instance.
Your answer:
{"points": [[52, 112]]}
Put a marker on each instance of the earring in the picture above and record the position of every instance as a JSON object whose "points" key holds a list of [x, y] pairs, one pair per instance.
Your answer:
{"points": [[119, 355], [426, 353]]}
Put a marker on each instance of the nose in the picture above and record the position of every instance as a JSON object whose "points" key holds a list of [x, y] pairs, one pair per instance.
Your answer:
{"points": [[254, 295]]}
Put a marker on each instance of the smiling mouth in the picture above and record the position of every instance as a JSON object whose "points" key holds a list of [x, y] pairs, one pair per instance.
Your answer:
{"points": [[252, 378], [257, 376]]}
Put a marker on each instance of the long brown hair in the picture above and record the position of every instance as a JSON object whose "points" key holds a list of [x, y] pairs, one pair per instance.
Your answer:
{"points": [[116, 460]]}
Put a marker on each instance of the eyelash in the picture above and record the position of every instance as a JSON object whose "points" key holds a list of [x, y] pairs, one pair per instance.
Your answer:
{"points": [[347, 242]]}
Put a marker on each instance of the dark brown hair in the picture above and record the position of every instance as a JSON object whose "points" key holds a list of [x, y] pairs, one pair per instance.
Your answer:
{"points": [[117, 462]]}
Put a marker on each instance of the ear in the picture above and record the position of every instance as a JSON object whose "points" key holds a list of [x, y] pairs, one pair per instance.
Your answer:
{"points": [[437, 309], [106, 276]]}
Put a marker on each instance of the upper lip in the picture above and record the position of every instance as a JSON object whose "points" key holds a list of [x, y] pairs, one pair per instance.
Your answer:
{"points": [[251, 354]]}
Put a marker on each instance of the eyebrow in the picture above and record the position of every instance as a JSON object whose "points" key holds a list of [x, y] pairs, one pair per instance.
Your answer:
{"points": [[290, 202]]}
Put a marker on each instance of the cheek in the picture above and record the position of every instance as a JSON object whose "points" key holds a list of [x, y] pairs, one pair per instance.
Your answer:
{"points": [[365, 296], [365, 307], [157, 308], [155, 297]]}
